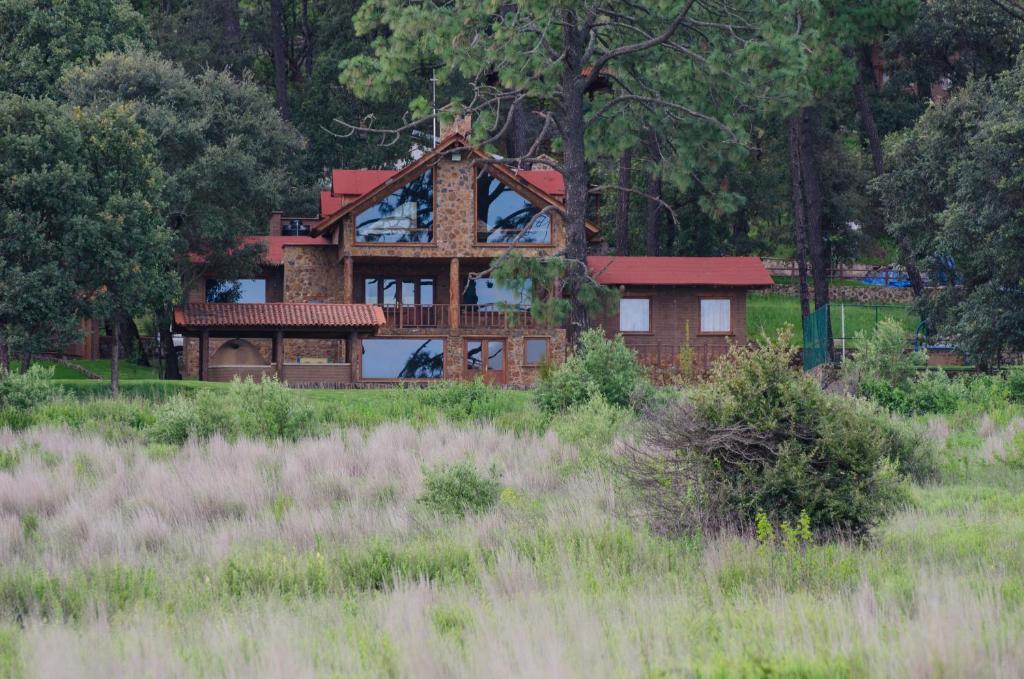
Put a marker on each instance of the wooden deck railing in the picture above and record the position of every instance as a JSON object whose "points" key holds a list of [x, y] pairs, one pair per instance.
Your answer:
{"points": [[470, 316], [417, 316]]}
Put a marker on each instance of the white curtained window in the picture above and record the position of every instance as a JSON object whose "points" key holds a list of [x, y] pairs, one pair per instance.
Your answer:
{"points": [[715, 315], [634, 315]]}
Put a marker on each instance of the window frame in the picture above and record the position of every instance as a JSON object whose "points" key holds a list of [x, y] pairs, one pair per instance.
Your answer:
{"points": [[444, 359], [476, 234], [485, 368], [417, 281], [354, 217], [700, 316], [650, 315], [526, 352]]}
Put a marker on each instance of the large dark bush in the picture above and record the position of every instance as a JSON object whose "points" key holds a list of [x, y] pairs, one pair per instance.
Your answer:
{"points": [[761, 436], [598, 366]]}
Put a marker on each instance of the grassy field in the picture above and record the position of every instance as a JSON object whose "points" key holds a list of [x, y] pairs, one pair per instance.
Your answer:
{"points": [[766, 314], [318, 558], [101, 366]]}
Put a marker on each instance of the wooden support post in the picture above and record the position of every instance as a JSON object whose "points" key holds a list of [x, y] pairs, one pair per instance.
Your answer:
{"points": [[347, 280], [277, 347], [454, 293], [353, 355], [204, 355]]}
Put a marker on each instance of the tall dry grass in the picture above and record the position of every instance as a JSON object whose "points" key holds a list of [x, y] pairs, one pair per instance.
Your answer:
{"points": [[563, 583], [97, 502]]}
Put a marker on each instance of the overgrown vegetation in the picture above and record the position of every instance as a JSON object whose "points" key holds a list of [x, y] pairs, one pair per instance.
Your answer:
{"points": [[598, 366], [760, 436], [459, 489]]}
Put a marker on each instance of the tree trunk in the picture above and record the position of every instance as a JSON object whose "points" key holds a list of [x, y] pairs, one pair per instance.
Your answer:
{"points": [[622, 206], [115, 353], [653, 207], [572, 125], [5, 356], [232, 34], [280, 64], [170, 356], [867, 120], [307, 39], [26, 361], [811, 185], [799, 214], [132, 341], [741, 232]]}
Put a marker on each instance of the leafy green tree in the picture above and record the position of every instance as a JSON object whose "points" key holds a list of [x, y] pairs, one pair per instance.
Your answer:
{"points": [[954, 189], [226, 154], [39, 38], [694, 67], [43, 179], [123, 249]]}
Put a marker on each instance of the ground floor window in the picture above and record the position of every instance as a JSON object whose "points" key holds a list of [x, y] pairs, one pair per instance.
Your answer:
{"points": [[715, 316], [403, 359], [634, 314], [536, 350]]}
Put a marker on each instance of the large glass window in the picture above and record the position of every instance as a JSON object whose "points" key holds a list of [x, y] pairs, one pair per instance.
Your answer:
{"points": [[715, 315], [634, 315], [405, 216], [536, 350], [241, 291], [388, 292], [503, 216], [486, 293], [401, 359]]}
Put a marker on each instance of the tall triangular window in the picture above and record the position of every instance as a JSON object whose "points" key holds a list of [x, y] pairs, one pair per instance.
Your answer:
{"points": [[504, 216], [405, 216]]}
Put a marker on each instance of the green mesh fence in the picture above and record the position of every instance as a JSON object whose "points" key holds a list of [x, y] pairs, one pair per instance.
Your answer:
{"points": [[816, 338]]}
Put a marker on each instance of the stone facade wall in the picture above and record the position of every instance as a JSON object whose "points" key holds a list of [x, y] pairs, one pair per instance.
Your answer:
{"points": [[866, 294], [312, 274], [454, 223]]}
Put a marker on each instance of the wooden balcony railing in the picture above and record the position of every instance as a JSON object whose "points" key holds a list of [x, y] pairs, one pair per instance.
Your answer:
{"points": [[417, 316], [470, 316], [487, 316]]}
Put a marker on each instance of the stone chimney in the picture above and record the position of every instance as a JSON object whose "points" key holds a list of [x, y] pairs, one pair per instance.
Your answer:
{"points": [[460, 125]]}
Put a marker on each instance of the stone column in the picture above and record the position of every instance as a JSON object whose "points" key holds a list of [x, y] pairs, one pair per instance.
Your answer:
{"points": [[353, 356], [454, 293], [347, 280]]}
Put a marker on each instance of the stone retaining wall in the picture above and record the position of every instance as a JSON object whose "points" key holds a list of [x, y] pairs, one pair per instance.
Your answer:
{"points": [[851, 293]]}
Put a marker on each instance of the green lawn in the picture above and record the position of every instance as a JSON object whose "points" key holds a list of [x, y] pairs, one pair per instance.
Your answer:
{"points": [[101, 366], [766, 314]]}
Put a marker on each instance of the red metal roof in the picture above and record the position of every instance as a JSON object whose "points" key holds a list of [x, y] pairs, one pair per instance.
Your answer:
{"points": [[746, 272], [329, 204], [278, 315], [276, 244]]}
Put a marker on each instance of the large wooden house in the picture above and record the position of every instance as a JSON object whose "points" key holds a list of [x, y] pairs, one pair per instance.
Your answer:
{"points": [[385, 286]]}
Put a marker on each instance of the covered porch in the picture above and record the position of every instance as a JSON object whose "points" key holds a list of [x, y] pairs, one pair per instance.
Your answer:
{"points": [[277, 322]]}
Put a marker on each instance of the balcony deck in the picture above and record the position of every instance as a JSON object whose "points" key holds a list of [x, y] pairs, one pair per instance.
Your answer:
{"points": [[472, 316]]}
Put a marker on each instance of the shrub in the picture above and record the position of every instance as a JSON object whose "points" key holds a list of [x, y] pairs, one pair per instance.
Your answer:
{"points": [[25, 390], [592, 427], [601, 365], [459, 489], [883, 355], [763, 436], [181, 418], [1015, 383], [265, 410], [268, 410], [462, 401]]}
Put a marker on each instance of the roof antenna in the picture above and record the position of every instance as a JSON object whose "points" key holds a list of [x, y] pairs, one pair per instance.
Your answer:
{"points": [[433, 100]]}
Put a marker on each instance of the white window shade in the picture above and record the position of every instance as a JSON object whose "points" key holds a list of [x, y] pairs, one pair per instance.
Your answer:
{"points": [[715, 315], [634, 315]]}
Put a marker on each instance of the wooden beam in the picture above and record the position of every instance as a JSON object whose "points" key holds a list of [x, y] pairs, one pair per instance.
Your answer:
{"points": [[454, 293], [204, 355], [277, 347], [347, 280], [353, 355]]}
